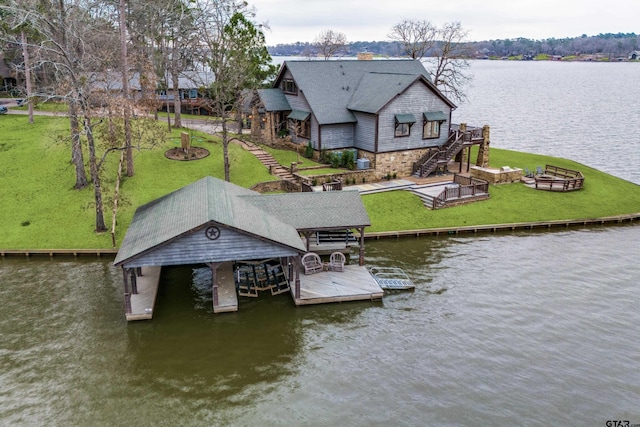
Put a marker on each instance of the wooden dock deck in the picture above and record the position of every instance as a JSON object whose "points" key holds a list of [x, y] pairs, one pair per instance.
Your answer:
{"points": [[143, 303], [227, 295], [354, 284]]}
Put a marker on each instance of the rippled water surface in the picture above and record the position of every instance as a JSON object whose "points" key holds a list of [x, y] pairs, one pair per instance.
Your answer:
{"points": [[533, 328]]}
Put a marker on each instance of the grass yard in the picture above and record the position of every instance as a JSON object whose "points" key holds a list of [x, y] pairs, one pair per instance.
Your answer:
{"points": [[41, 210], [603, 195]]}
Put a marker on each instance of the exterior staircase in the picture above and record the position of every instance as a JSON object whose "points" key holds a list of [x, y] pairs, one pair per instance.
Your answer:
{"points": [[448, 151], [268, 161]]}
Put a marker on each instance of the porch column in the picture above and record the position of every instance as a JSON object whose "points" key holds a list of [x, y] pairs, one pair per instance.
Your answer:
{"points": [[483, 151], [134, 281], [307, 236], [296, 268], [361, 252]]}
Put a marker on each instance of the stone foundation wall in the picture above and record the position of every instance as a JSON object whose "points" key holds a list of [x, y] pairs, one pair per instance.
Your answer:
{"points": [[399, 163], [497, 176]]}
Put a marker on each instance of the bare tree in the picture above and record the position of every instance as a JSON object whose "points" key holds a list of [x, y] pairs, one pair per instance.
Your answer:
{"points": [[329, 43], [446, 49], [417, 38], [451, 74]]}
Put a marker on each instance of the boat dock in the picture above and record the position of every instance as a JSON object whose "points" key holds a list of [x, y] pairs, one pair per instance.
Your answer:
{"points": [[144, 301], [355, 283]]}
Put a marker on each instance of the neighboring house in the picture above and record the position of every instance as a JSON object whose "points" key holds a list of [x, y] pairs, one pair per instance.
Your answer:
{"points": [[389, 111], [190, 85]]}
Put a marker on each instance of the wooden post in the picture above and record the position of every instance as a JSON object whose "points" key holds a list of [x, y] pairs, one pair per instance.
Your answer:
{"points": [[134, 282], [214, 283], [361, 252], [296, 269], [127, 295]]}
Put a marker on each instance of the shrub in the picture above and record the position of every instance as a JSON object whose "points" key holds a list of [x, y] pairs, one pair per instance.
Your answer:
{"points": [[335, 161], [348, 160], [308, 151]]}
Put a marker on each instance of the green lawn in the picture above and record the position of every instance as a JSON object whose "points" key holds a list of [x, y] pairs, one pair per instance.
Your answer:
{"points": [[40, 209], [602, 195]]}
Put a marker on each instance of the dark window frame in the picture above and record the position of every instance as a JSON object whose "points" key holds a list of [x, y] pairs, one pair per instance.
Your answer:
{"points": [[428, 125], [400, 132], [289, 86]]}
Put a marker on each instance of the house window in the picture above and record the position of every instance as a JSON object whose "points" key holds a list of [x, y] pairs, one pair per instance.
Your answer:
{"points": [[431, 124], [193, 93], [289, 86], [403, 124], [431, 130]]}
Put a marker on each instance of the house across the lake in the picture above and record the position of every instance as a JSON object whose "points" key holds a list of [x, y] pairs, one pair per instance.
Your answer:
{"points": [[388, 112]]}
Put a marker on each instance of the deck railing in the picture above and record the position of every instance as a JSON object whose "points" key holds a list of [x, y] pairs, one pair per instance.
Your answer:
{"points": [[555, 178], [466, 187]]}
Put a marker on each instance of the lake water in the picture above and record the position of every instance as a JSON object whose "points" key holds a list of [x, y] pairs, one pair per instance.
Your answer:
{"points": [[528, 328]]}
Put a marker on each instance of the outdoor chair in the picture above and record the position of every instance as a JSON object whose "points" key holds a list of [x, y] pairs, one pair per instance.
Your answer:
{"points": [[312, 263], [539, 170], [336, 261]]}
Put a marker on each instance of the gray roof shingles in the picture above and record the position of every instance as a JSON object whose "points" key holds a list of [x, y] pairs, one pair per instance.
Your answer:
{"points": [[329, 86], [206, 200], [277, 218]]}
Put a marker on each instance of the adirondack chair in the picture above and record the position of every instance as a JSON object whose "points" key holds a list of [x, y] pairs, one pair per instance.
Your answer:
{"points": [[336, 261], [312, 263]]}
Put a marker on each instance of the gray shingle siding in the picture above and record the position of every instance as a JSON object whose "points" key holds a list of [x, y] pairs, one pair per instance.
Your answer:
{"points": [[337, 136], [197, 248], [415, 100], [365, 132]]}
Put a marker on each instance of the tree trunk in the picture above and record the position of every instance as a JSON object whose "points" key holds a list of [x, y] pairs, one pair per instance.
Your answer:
{"points": [[177, 119], [77, 157], [225, 147], [125, 88], [95, 177], [27, 74]]}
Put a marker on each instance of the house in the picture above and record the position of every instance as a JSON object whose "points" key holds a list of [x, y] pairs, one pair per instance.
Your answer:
{"points": [[389, 111], [634, 56], [192, 98]]}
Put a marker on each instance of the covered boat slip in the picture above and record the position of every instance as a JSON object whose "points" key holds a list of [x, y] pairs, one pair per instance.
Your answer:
{"points": [[236, 231]]}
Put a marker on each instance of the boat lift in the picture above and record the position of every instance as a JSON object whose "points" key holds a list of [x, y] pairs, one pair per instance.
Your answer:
{"points": [[391, 278]]}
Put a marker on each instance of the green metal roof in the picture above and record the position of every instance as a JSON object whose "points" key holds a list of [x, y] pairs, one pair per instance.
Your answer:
{"points": [[206, 200], [405, 118], [274, 100], [299, 115], [434, 116]]}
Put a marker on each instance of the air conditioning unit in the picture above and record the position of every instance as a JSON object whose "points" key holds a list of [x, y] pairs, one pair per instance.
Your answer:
{"points": [[362, 164]]}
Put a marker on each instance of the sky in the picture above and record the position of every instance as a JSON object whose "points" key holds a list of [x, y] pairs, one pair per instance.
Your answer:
{"points": [[291, 21]]}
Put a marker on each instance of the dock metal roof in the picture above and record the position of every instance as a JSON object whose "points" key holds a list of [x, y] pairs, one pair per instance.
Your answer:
{"points": [[275, 218]]}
